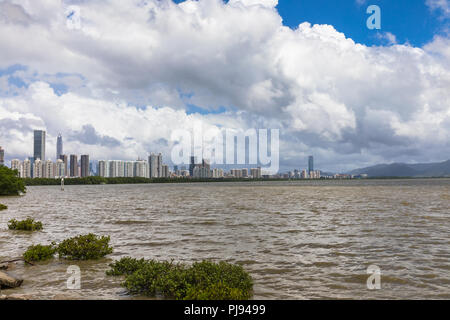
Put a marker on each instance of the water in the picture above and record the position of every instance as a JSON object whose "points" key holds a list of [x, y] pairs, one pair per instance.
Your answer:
{"points": [[298, 240]]}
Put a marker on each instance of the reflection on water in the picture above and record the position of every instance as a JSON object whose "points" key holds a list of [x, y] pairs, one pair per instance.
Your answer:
{"points": [[299, 240]]}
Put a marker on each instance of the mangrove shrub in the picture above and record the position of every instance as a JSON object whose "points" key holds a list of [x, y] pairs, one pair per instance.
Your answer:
{"points": [[10, 183], [25, 225], [84, 247], [204, 280], [39, 253]]}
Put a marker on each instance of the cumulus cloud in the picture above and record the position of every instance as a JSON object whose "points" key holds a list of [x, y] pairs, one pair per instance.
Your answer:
{"points": [[133, 68]]}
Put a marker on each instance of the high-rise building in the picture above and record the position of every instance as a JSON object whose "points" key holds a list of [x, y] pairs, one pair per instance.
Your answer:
{"points": [[165, 171], [60, 168], [49, 169], [39, 145], [129, 169], [38, 168], [27, 169], [73, 165], [64, 158], [141, 169], [159, 165], [2, 156], [206, 165], [116, 168], [155, 165], [17, 165], [59, 146], [310, 163], [103, 169], [192, 166], [304, 174], [85, 165], [256, 173]]}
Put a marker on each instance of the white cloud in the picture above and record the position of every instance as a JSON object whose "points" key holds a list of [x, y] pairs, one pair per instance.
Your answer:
{"points": [[388, 36], [442, 5], [322, 89]]}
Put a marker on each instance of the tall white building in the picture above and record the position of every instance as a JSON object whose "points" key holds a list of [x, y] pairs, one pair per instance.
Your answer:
{"points": [[48, 169], [26, 169], [141, 168], [129, 169], [103, 169], [60, 168], [38, 168], [116, 168], [17, 165]]}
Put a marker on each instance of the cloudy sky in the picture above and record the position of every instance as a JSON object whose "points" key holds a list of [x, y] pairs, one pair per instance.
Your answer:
{"points": [[119, 82]]}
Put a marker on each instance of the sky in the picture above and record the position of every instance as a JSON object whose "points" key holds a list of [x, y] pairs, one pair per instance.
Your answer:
{"points": [[117, 78]]}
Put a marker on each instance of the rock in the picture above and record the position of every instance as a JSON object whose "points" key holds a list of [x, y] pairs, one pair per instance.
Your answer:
{"points": [[8, 281], [4, 266]]}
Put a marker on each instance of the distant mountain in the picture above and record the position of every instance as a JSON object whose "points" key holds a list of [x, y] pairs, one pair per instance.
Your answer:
{"points": [[438, 169]]}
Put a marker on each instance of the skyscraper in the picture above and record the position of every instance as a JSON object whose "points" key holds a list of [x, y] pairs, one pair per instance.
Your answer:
{"points": [[310, 164], [39, 145], [159, 165], [103, 168], [85, 165], [63, 157], [60, 168], [73, 165], [155, 165], [192, 166], [59, 146], [2, 156]]}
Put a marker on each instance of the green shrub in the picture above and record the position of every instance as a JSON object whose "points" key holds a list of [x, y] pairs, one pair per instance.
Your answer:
{"points": [[3, 207], [39, 253], [125, 266], [84, 247], [10, 183], [202, 281], [26, 225]]}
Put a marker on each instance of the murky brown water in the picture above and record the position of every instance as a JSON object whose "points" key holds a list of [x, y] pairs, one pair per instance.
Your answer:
{"points": [[299, 240]]}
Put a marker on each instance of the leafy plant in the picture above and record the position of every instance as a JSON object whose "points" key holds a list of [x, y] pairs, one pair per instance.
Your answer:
{"points": [[125, 266], [202, 281], [3, 207], [10, 183], [39, 253], [84, 247], [27, 225]]}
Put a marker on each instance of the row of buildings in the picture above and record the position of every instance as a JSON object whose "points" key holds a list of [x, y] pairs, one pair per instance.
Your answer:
{"points": [[31, 168], [153, 168], [38, 167]]}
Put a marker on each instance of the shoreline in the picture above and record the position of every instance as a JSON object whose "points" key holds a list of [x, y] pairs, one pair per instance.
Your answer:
{"points": [[29, 182]]}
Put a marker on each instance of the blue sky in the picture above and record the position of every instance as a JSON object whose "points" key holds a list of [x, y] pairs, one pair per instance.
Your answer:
{"points": [[411, 21]]}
